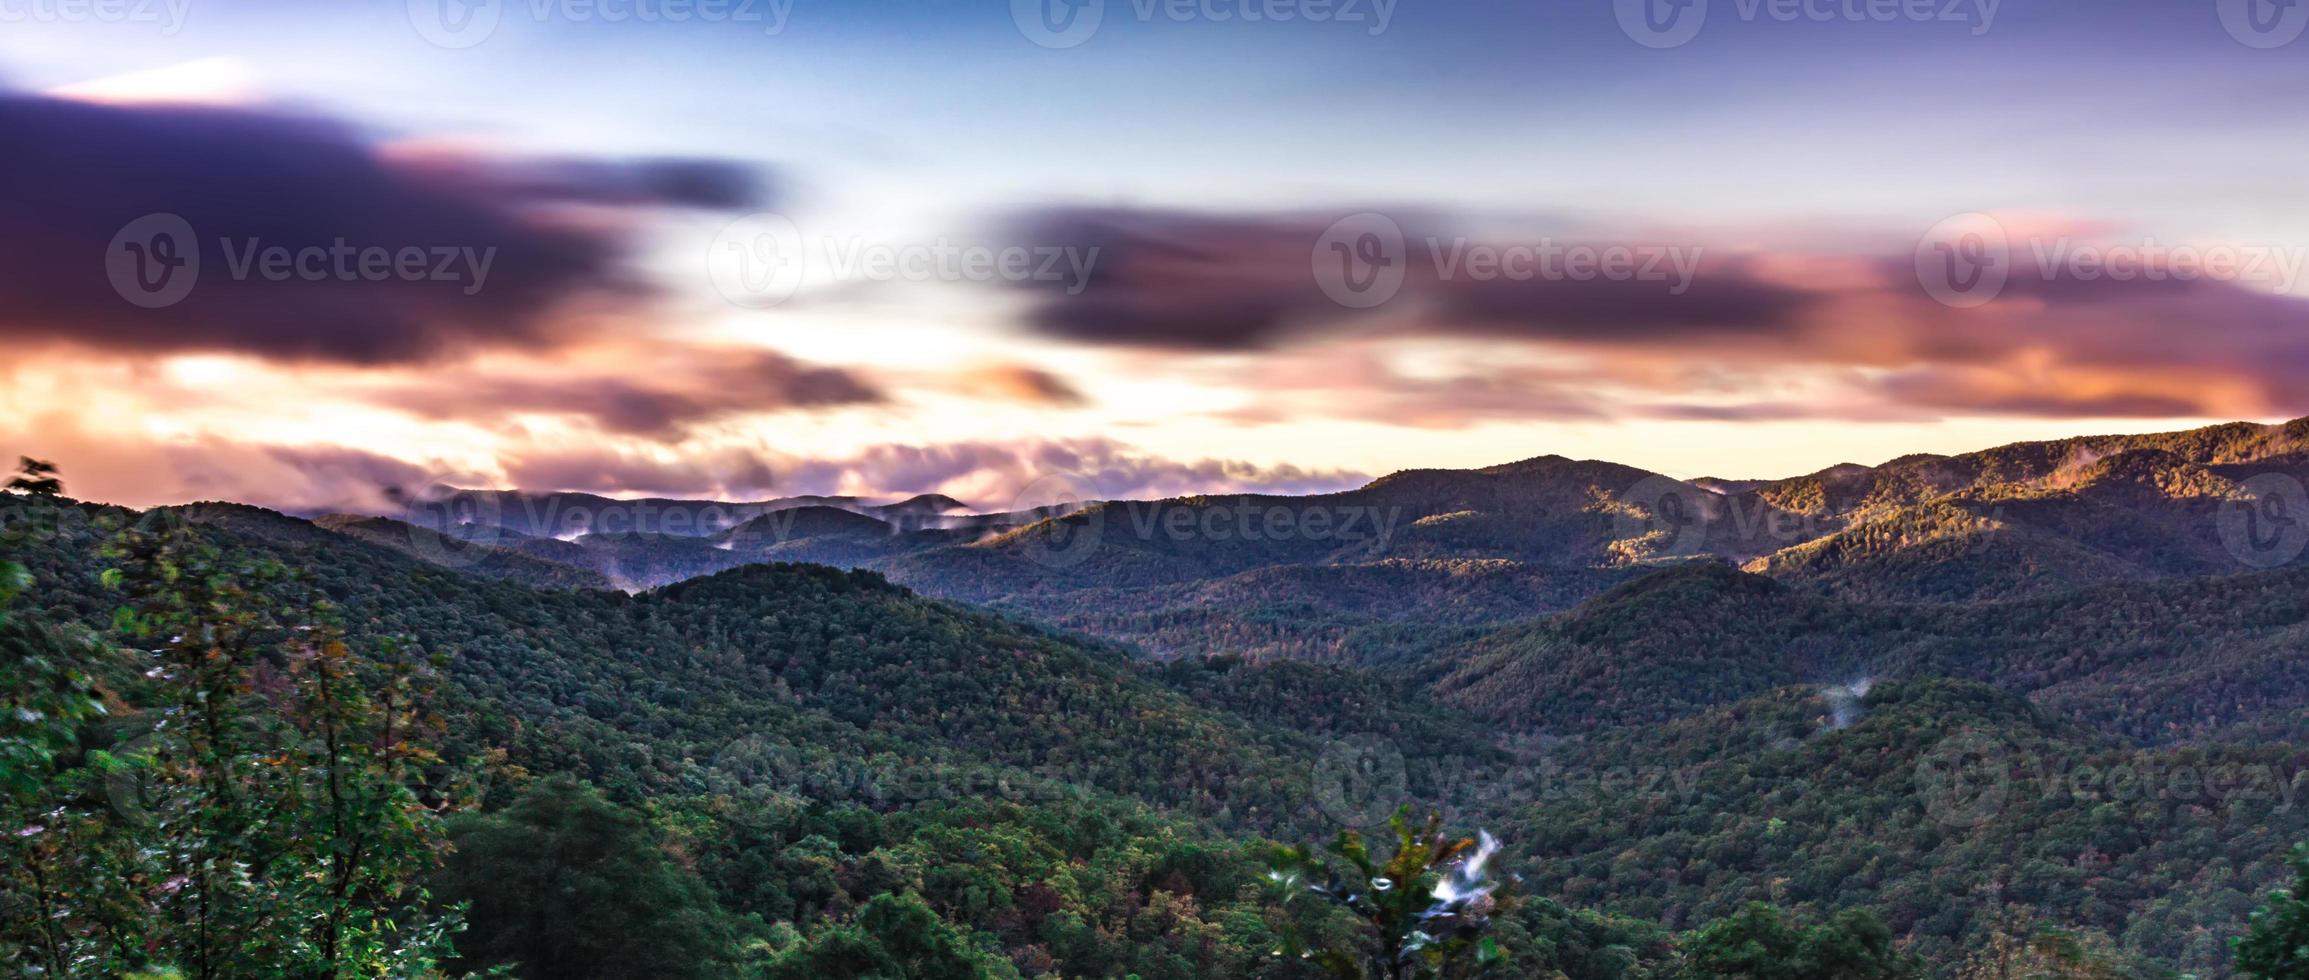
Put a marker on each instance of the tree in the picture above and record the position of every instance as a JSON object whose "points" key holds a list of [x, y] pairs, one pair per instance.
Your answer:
{"points": [[566, 884], [71, 905], [2022, 949], [891, 936], [280, 771], [2278, 946], [1425, 912], [36, 477], [1764, 943], [230, 800]]}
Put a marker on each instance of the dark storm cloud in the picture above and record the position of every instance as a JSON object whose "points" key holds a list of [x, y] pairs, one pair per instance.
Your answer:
{"points": [[1202, 281], [76, 174], [2052, 343], [1182, 280]]}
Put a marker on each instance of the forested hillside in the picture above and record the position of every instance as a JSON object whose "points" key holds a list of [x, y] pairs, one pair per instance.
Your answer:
{"points": [[1886, 744]]}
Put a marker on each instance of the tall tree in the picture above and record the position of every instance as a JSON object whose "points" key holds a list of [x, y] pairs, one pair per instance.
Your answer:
{"points": [[233, 799], [566, 884], [72, 904], [1764, 943], [2278, 946], [1424, 911]]}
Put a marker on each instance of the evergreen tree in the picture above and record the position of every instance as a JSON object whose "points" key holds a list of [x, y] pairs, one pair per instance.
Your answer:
{"points": [[2278, 946], [1764, 943], [566, 884]]}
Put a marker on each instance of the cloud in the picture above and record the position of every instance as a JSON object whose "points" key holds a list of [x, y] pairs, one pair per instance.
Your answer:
{"points": [[1018, 383], [1845, 311], [655, 390], [140, 470], [988, 475], [515, 241], [1179, 280], [722, 474], [998, 475]]}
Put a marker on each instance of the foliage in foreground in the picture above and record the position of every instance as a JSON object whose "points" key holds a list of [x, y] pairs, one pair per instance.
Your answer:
{"points": [[238, 797], [2278, 946]]}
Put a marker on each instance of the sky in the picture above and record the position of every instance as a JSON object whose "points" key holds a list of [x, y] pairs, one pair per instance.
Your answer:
{"points": [[302, 254]]}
